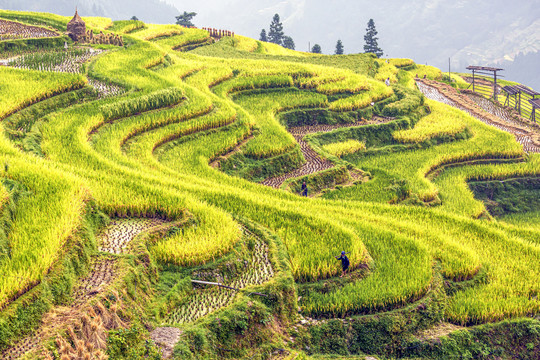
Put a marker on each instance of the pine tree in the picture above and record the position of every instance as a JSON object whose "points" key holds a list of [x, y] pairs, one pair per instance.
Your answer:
{"points": [[185, 19], [263, 36], [371, 40], [276, 31], [316, 49], [288, 42], [339, 48]]}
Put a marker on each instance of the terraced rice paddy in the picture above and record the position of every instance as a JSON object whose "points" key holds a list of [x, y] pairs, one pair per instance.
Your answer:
{"points": [[207, 299], [70, 61], [10, 30], [104, 270], [314, 162], [522, 136], [140, 151]]}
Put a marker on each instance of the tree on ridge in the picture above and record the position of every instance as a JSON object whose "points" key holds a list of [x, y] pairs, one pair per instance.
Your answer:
{"points": [[372, 46], [263, 36], [288, 43], [276, 31], [185, 19], [339, 48], [316, 49]]}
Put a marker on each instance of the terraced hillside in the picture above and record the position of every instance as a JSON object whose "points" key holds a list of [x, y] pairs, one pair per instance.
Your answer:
{"points": [[151, 204]]}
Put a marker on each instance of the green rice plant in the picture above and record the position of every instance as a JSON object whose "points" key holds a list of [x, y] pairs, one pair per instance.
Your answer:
{"points": [[139, 104], [352, 84], [429, 72], [215, 236], [43, 223], [377, 91], [97, 23], [126, 26], [344, 148], [458, 198], [243, 43], [49, 61], [401, 62], [274, 139], [154, 31], [128, 70], [414, 165], [251, 83], [436, 124], [459, 81], [277, 50], [409, 100], [207, 78], [21, 88], [386, 71], [189, 37]]}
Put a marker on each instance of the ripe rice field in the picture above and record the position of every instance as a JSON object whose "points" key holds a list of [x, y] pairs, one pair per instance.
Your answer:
{"points": [[146, 153]]}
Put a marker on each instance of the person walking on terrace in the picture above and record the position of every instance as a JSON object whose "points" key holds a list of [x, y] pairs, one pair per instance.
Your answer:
{"points": [[344, 262], [304, 188], [387, 82]]}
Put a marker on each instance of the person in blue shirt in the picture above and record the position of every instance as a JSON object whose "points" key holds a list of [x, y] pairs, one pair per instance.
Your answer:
{"points": [[344, 262], [304, 188]]}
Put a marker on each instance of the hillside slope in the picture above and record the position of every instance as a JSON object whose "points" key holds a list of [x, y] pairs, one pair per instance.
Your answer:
{"points": [[190, 196]]}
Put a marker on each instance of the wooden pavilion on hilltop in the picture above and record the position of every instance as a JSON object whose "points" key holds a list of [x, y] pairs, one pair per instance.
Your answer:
{"points": [[76, 28]]}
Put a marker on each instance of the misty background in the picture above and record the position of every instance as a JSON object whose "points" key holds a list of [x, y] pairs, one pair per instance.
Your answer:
{"points": [[469, 32]]}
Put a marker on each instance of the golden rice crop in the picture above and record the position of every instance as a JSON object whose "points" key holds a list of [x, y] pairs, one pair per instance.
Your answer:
{"points": [[344, 148], [20, 88], [156, 163], [441, 122]]}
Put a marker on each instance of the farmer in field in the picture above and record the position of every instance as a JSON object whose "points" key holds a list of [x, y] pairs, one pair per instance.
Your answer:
{"points": [[344, 262], [304, 188], [387, 81]]}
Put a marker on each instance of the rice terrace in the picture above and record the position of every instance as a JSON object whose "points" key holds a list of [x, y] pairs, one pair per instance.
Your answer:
{"points": [[183, 193]]}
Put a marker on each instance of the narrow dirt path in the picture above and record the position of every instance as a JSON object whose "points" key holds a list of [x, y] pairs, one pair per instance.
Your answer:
{"points": [[504, 120], [114, 240], [438, 331], [314, 162], [166, 338]]}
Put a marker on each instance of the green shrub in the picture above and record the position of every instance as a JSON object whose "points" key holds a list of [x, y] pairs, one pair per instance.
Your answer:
{"points": [[131, 344]]}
